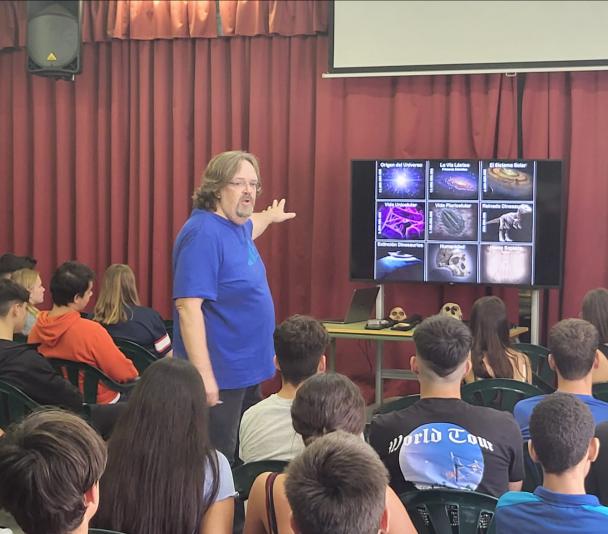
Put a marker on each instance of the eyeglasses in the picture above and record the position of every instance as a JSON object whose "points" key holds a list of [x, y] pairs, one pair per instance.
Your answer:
{"points": [[242, 184]]}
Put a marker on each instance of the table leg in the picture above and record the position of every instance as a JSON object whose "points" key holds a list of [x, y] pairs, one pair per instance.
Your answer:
{"points": [[379, 392], [332, 355]]}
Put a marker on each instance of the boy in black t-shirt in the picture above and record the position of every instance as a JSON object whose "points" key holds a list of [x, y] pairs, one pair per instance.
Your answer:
{"points": [[442, 440]]}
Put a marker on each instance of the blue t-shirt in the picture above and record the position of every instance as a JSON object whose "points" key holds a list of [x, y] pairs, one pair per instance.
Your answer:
{"points": [[216, 260], [523, 411], [546, 511]]}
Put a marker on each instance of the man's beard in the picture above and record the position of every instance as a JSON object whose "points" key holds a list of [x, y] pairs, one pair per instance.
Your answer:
{"points": [[246, 210]]}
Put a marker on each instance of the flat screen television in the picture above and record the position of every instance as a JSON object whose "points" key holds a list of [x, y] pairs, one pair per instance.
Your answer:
{"points": [[490, 222]]}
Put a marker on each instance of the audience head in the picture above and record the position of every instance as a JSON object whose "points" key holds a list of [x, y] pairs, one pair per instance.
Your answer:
{"points": [[442, 348], [30, 280], [72, 283], [160, 456], [562, 433], [9, 263], [118, 292], [300, 342], [219, 172], [595, 310], [338, 484], [490, 330], [13, 298], [325, 403], [573, 345], [50, 465]]}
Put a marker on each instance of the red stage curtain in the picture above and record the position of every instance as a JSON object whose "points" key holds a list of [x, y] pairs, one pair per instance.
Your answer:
{"points": [[151, 19]]}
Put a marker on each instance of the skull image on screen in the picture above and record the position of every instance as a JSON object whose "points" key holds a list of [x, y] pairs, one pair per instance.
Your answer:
{"points": [[453, 259]]}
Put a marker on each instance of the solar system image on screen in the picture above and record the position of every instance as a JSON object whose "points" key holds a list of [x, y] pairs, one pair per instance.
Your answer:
{"points": [[455, 221]]}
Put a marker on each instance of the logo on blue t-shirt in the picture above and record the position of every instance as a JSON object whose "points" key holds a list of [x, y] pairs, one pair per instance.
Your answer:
{"points": [[443, 454], [253, 255]]}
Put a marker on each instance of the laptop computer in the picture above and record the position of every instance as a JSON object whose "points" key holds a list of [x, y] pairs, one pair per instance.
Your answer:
{"points": [[361, 305]]}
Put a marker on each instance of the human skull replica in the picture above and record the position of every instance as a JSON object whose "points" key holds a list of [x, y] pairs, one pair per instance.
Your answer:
{"points": [[450, 309], [398, 315]]}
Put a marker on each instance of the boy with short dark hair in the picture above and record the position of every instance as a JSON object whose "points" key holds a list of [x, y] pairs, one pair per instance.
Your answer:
{"points": [[266, 431], [50, 466], [574, 354], [338, 484], [63, 333], [9, 263], [442, 441], [562, 441]]}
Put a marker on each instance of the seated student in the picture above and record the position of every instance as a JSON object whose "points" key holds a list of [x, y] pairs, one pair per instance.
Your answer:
{"points": [[561, 440], [119, 311], [9, 263], [30, 280], [595, 310], [338, 484], [422, 446], [266, 432], [323, 404], [20, 364], [63, 333], [596, 482], [163, 476], [50, 465], [491, 352], [574, 355]]}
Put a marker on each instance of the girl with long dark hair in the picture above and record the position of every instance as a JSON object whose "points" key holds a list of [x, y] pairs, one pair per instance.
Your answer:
{"points": [[595, 310], [492, 354], [163, 476]]}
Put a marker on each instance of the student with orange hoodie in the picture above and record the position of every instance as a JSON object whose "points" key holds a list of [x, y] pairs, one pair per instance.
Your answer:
{"points": [[63, 333]]}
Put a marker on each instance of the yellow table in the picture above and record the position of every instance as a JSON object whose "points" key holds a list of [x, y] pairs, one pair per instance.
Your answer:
{"points": [[357, 331]]}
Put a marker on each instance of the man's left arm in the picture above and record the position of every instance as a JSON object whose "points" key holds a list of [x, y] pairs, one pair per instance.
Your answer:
{"points": [[272, 214]]}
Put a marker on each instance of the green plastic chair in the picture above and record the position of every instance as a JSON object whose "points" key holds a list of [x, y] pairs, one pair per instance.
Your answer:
{"points": [[244, 475], [397, 404], [500, 393], [14, 404], [600, 391], [19, 338], [91, 378], [141, 357], [543, 376], [103, 531], [446, 511], [533, 472]]}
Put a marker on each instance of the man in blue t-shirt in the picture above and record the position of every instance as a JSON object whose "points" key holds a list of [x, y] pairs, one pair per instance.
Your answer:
{"points": [[562, 441], [224, 317], [574, 354]]}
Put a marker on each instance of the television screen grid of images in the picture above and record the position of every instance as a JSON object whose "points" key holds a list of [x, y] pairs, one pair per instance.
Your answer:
{"points": [[460, 221]]}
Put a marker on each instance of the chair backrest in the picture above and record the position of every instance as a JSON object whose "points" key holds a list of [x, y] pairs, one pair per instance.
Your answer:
{"points": [[14, 404], [600, 391], [103, 531], [244, 475], [543, 376], [397, 404], [500, 393], [81, 373], [18, 337], [141, 357], [533, 472], [445, 511]]}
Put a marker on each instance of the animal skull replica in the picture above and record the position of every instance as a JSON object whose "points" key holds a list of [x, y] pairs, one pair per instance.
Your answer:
{"points": [[451, 309], [397, 315]]}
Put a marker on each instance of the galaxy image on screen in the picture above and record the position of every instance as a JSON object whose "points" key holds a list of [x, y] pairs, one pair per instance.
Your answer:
{"points": [[401, 220], [460, 183], [401, 182]]}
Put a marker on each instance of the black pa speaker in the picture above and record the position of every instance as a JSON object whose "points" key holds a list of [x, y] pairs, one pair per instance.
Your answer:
{"points": [[53, 38]]}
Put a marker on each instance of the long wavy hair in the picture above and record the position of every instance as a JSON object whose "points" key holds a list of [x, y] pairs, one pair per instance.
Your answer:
{"points": [[490, 329], [118, 292], [160, 456], [595, 310], [27, 279]]}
